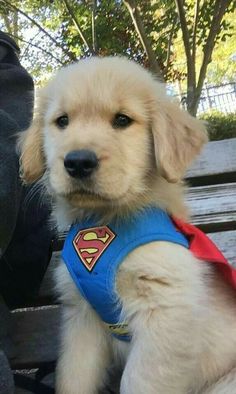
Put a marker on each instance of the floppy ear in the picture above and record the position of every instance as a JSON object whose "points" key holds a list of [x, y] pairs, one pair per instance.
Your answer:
{"points": [[31, 152], [30, 143], [178, 138]]}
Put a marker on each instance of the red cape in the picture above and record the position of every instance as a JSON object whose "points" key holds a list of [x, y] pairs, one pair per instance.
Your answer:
{"points": [[203, 248]]}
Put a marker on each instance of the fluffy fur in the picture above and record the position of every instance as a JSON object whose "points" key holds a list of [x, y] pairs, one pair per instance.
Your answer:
{"points": [[182, 316]]}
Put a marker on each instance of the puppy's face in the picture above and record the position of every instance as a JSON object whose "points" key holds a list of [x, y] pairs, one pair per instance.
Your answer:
{"points": [[96, 136], [103, 132]]}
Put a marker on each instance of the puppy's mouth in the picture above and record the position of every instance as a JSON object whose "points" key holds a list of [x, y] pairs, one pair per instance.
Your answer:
{"points": [[87, 197], [86, 193], [81, 193]]}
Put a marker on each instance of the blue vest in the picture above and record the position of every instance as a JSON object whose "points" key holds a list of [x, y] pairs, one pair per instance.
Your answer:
{"points": [[93, 253]]}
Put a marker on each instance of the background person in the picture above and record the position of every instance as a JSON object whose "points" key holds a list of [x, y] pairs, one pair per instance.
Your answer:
{"points": [[25, 236]]}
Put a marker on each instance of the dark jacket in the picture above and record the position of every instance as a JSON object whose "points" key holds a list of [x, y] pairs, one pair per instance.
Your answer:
{"points": [[25, 235]]}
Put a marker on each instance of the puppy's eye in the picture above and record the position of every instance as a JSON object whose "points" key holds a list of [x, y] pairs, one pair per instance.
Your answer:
{"points": [[121, 121], [62, 122]]}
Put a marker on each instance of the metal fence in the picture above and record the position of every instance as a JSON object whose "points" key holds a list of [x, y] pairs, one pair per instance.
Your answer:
{"points": [[221, 98]]}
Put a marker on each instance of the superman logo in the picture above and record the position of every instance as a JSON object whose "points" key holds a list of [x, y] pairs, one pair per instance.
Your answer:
{"points": [[90, 244]]}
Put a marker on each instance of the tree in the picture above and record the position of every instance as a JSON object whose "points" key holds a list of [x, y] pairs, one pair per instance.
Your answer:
{"points": [[223, 65], [41, 51], [203, 27], [75, 20], [54, 33], [134, 11], [202, 24]]}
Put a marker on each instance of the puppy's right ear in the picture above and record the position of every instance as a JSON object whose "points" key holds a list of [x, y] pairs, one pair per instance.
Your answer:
{"points": [[31, 152], [30, 143]]}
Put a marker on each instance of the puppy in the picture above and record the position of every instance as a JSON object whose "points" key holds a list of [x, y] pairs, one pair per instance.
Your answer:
{"points": [[112, 148]]}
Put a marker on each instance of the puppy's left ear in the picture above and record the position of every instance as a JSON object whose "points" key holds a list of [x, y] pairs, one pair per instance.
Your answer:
{"points": [[178, 138]]}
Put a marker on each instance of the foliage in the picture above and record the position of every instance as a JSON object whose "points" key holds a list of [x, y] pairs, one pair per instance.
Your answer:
{"points": [[220, 126], [222, 69], [39, 53], [203, 24], [54, 33]]}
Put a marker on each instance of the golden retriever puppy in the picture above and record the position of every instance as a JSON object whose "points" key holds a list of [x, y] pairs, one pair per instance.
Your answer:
{"points": [[109, 144]]}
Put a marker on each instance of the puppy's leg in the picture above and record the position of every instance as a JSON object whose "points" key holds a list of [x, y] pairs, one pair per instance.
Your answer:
{"points": [[165, 307], [161, 360], [84, 353], [226, 385]]}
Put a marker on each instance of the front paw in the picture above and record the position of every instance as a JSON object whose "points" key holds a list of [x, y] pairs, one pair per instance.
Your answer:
{"points": [[66, 384]]}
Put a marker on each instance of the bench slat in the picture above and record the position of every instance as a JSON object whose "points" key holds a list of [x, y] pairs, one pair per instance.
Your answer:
{"points": [[226, 241], [36, 331], [217, 158], [213, 207]]}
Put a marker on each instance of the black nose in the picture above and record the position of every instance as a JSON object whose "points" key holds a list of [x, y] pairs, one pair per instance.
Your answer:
{"points": [[80, 163]]}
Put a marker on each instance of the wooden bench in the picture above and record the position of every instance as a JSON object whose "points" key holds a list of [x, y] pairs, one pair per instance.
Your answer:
{"points": [[212, 200]]}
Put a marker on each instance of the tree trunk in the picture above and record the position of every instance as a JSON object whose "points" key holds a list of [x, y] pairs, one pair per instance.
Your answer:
{"points": [[219, 11], [7, 23], [15, 25], [94, 35], [138, 24], [194, 87], [193, 102], [77, 25], [191, 69]]}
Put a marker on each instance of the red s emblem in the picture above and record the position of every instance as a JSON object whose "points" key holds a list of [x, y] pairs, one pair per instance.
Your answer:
{"points": [[91, 243]]}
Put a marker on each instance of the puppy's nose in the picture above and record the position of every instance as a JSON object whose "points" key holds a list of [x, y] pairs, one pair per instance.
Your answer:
{"points": [[80, 163]]}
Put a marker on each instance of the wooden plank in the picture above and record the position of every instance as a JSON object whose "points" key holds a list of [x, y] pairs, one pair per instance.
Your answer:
{"points": [[217, 157], [213, 207], [36, 330], [226, 242]]}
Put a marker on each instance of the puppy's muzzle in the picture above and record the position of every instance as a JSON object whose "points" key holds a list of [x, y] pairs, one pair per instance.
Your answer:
{"points": [[81, 163]]}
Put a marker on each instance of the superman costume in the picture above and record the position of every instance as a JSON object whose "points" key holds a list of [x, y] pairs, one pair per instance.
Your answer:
{"points": [[93, 255]]}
